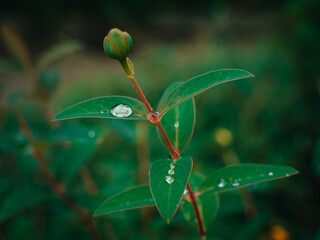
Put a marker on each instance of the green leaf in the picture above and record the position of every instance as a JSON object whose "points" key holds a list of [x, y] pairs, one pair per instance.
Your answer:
{"points": [[237, 176], [21, 199], [75, 133], [101, 108], [49, 79], [179, 122], [208, 207], [199, 84], [70, 161], [131, 198], [57, 52], [167, 195]]}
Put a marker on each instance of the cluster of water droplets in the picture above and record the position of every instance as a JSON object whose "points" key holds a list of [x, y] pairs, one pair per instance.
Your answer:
{"points": [[235, 182], [120, 110], [169, 178]]}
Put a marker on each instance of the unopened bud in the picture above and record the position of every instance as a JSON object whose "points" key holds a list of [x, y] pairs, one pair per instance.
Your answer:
{"points": [[117, 44]]}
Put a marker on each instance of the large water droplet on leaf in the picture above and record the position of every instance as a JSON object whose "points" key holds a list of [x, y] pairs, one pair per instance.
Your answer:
{"points": [[169, 179], [121, 110]]}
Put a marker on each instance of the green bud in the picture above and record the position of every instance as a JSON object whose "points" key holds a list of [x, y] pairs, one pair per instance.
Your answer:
{"points": [[117, 44]]}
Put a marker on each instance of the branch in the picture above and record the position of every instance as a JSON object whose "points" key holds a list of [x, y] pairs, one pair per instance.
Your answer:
{"points": [[54, 184]]}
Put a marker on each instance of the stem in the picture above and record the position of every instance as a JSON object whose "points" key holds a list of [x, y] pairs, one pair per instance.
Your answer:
{"points": [[143, 97], [54, 184], [175, 154], [201, 229]]}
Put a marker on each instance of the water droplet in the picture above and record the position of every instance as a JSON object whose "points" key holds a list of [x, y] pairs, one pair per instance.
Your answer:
{"points": [[169, 179], [222, 182], [148, 172], [91, 134], [235, 183], [287, 175], [171, 172], [172, 166], [270, 173], [102, 111], [121, 110], [185, 192], [176, 124]]}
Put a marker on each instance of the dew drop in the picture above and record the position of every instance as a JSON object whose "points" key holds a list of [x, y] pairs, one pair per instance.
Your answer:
{"points": [[121, 110], [222, 183], [171, 172], [169, 179], [91, 134], [172, 166], [102, 111], [287, 175], [148, 172], [176, 124], [270, 173], [235, 183], [185, 192]]}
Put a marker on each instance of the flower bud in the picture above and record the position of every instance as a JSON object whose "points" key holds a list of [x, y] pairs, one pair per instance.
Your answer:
{"points": [[117, 44]]}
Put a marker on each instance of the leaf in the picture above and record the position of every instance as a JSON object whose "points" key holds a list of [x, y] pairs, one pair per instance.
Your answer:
{"points": [[69, 163], [131, 198], [168, 196], [237, 176], [208, 206], [179, 122], [15, 44], [57, 52], [199, 84], [75, 133], [49, 80], [101, 107], [21, 199]]}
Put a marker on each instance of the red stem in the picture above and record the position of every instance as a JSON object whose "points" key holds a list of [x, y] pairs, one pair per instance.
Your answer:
{"points": [[143, 97], [202, 231], [175, 154]]}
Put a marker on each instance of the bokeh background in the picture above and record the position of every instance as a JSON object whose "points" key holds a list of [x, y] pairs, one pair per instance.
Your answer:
{"points": [[51, 57]]}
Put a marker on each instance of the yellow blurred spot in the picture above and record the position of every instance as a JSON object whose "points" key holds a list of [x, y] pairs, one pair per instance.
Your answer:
{"points": [[223, 136], [279, 233]]}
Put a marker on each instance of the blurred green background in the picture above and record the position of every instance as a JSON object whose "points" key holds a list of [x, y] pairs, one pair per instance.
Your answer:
{"points": [[51, 57]]}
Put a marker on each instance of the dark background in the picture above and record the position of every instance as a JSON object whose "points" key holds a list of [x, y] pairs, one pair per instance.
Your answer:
{"points": [[273, 118]]}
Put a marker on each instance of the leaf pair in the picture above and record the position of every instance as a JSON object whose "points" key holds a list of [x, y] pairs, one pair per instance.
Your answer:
{"points": [[167, 196], [178, 95], [176, 107]]}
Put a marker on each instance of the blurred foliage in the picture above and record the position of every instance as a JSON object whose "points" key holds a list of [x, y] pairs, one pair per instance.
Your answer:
{"points": [[272, 119]]}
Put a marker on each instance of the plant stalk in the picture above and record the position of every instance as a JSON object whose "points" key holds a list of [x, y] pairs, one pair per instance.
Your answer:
{"points": [[175, 154], [201, 229], [54, 184]]}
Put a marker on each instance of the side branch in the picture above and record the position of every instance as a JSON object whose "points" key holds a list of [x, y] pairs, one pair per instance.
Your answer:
{"points": [[54, 184]]}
